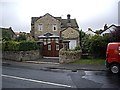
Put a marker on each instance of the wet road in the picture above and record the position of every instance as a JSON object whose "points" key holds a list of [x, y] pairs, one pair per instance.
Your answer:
{"points": [[107, 79], [21, 77]]}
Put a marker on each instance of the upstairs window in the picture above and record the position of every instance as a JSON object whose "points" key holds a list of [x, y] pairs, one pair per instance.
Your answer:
{"points": [[54, 27], [40, 27]]}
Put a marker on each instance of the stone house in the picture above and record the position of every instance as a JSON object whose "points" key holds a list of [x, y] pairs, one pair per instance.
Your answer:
{"points": [[52, 30]]}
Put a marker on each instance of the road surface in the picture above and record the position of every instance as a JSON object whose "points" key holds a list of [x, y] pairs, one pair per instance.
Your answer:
{"points": [[22, 77]]}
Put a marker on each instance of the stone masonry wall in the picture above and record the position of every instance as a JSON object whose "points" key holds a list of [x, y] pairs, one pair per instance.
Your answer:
{"points": [[70, 33], [47, 21], [21, 55], [69, 56]]}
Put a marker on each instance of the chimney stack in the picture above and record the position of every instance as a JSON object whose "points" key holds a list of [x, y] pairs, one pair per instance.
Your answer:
{"points": [[68, 18]]}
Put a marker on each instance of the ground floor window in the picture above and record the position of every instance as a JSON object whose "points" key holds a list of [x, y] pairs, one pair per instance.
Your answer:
{"points": [[72, 44]]}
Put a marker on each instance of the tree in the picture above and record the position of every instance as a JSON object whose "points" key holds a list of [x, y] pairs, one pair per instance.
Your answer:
{"points": [[6, 35], [82, 34], [21, 37], [84, 41], [85, 44], [115, 35], [98, 45]]}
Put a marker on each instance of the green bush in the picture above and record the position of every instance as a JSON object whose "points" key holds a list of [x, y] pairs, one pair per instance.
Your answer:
{"points": [[0, 46], [19, 46], [10, 46], [98, 46], [22, 37], [77, 48], [28, 45]]}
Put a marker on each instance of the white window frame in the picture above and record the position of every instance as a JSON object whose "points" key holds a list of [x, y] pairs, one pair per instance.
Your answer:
{"points": [[40, 27], [55, 27]]}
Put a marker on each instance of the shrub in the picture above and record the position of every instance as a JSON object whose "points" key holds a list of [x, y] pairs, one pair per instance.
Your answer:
{"points": [[22, 37], [0, 46], [19, 46], [77, 48], [28, 45], [10, 46], [98, 45]]}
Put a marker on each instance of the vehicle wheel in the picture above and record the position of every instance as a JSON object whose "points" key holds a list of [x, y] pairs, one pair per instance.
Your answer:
{"points": [[115, 68]]}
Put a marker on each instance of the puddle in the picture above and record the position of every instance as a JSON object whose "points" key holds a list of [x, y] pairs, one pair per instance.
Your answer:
{"points": [[74, 70], [96, 76]]}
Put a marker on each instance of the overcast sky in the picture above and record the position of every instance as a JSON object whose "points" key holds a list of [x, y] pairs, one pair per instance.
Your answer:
{"points": [[88, 13]]}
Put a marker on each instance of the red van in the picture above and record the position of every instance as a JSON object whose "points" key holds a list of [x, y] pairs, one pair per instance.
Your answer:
{"points": [[113, 57]]}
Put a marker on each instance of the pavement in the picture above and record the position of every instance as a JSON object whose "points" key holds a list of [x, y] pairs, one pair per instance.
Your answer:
{"points": [[53, 64]]}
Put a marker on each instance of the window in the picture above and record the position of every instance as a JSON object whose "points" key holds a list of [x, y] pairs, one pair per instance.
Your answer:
{"points": [[40, 39], [40, 27], [49, 47], [57, 40], [57, 47], [54, 27], [45, 41], [53, 39]]}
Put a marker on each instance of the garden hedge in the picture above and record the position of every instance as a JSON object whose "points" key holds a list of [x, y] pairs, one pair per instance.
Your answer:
{"points": [[19, 46]]}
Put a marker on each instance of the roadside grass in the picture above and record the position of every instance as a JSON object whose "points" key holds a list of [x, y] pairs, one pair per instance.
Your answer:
{"points": [[90, 61]]}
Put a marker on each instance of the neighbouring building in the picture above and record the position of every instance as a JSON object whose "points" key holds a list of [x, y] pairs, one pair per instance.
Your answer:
{"points": [[109, 30], [7, 33], [51, 30], [90, 32]]}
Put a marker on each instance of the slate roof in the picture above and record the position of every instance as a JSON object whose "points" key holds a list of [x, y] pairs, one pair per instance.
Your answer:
{"points": [[64, 22], [48, 34], [33, 19], [9, 30], [73, 23]]}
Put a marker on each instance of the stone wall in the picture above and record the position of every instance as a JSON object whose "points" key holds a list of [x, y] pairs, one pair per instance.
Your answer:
{"points": [[70, 33], [21, 55], [69, 56]]}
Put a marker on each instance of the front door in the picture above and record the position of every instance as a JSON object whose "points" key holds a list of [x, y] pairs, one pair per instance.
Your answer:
{"points": [[52, 49]]}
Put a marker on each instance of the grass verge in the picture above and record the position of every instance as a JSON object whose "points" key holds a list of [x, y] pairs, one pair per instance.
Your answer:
{"points": [[90, 61]]}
